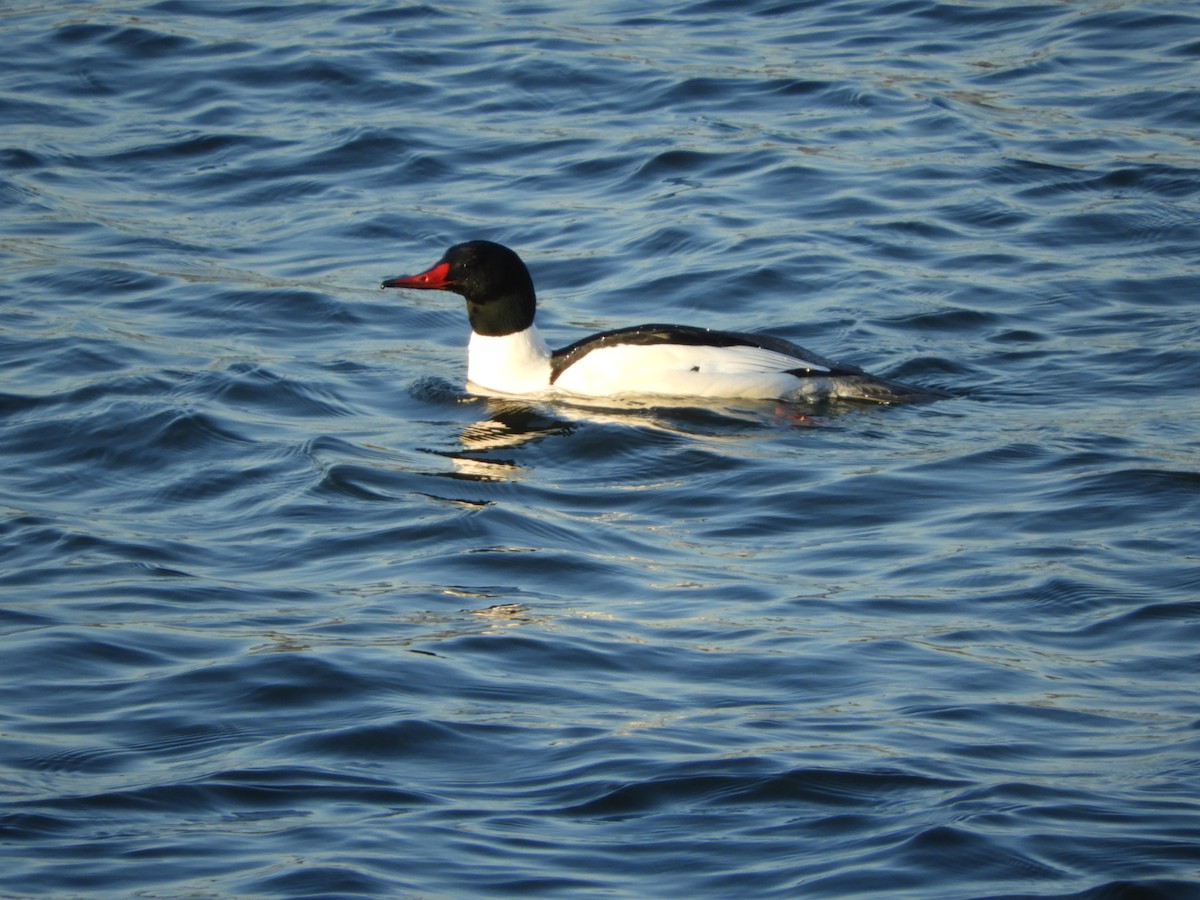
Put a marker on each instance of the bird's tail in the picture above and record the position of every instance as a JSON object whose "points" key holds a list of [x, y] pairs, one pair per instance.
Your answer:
{"points": [[869, 389]]}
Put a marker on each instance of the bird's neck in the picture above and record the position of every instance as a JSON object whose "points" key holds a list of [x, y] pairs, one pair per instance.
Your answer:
{"points": [[504, 313]]}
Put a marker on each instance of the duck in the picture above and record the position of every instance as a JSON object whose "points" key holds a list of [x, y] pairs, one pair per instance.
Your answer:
{"points": [[506, 355]]}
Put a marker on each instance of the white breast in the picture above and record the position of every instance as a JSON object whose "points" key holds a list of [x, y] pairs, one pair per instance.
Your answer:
{"points": [[509, 364]]}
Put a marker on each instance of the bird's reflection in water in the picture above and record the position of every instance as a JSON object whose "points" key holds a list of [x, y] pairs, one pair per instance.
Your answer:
{"points": [[509, 424], [513, 423]]}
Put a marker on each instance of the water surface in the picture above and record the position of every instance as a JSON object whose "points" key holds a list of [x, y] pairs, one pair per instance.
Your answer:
{"points": [[286, 612]]}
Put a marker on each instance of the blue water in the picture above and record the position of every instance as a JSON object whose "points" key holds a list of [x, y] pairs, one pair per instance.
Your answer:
{"points": [[285, 612]]}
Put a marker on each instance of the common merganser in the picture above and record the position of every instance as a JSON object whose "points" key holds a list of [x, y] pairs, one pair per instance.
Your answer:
{"points": [[507, 355]]}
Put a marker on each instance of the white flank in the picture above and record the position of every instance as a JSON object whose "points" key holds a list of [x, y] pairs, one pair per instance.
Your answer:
{"points": [[683, 371]]}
